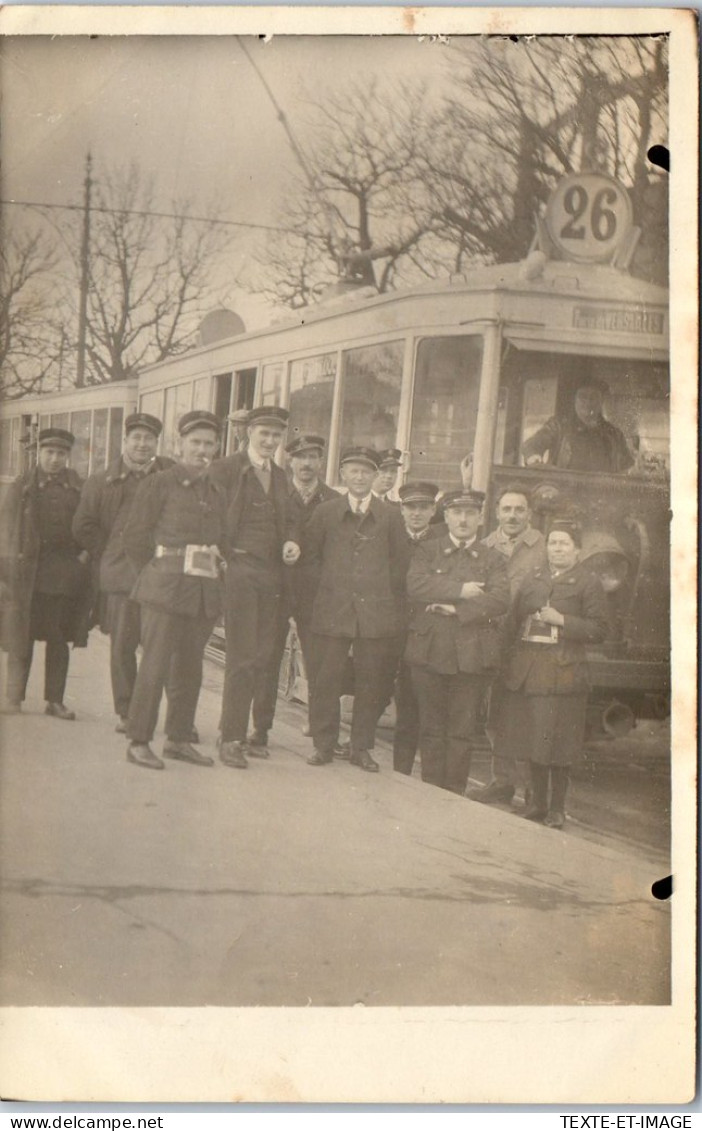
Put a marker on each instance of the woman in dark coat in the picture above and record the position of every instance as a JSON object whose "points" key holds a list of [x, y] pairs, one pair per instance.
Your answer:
{"points": [[48, 593], [559, 609]]}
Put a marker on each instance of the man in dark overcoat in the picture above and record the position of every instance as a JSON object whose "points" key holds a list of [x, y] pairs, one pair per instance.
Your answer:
{"points": [[174, 536], [46, 573], [358, 546], [459, 589], [260, 540], [98, 526], [306, 490]]}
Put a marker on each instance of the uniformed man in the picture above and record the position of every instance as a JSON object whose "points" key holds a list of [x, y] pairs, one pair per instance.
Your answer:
{"points": [[306, 490], [459, 589], [174, 535], [582, 440], [46, 573], [359, 548], [389, 463], [261, 539], [98, 526], [417, 507], [524, 549]]}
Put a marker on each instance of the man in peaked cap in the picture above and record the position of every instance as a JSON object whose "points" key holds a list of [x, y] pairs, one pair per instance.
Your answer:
{"points": [[458, 589], [98, 526], [46, 572], [306, 490], [357, 546], [261, 539], [389, 463], [174, 537]]}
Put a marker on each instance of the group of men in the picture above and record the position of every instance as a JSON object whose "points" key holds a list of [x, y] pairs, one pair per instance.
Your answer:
{"points": [[387, 599]]}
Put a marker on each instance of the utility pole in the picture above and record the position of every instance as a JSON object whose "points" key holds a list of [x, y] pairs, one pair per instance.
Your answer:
{"points": [[84, 275]]}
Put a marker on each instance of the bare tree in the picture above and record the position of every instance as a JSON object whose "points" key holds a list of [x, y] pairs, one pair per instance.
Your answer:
{"points": [[150, 275], [525, 112], [358, 210], [30, 336]]}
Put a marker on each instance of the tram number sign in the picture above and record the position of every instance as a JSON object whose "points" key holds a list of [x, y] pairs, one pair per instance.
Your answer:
{"points": [[589, 216]]}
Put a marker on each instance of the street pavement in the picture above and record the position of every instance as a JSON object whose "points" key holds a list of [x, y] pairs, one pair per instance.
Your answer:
{"points": [[291, 885]]}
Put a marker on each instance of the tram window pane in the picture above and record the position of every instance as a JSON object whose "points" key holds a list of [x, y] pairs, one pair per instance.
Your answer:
{"points": [[445, 407], [98, 452], [311, 394], [177, 403], [115, 441], [201, 393], [372, 378], [6, 447], [152, 403], [272, 383], [44, 422], [80, 453], [60, 420]]}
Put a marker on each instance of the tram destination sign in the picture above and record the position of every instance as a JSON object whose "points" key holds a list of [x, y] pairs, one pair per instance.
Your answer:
{"points": [[618, 321]]}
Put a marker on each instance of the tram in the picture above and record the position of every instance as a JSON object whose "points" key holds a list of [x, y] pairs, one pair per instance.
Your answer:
{"points": [[477, 364]]}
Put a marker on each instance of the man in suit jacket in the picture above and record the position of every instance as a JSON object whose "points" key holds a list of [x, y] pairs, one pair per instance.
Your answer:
{"points": [[459, 589], [306, 490], [174, 537], [261, 538], [98, 526], [358, 546]]}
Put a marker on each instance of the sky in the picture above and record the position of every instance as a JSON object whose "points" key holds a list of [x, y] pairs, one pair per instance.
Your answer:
{"points": [[191, 110]]}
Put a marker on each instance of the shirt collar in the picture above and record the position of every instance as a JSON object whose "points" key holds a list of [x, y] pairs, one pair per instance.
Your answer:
{"points": [[60, 477], [360, 506], [458, 543], [261, 464]]}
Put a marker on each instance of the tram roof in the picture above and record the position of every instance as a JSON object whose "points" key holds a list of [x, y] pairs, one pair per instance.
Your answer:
{"points": [[556, 278]]}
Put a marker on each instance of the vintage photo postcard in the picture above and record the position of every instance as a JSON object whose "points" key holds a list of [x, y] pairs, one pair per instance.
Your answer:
{"points": [[348, 511]]}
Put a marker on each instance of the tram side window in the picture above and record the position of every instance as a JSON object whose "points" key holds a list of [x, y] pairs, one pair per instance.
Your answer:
{"points": [[99, 444], [6, 447], [177, 403], [445, 406], [372, 380], [115, 437], [311, 395], [80, 453], [272, 383]]}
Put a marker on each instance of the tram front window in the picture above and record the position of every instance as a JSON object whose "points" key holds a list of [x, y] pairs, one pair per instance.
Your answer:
{"points": [[311, 395], [445, 406]]}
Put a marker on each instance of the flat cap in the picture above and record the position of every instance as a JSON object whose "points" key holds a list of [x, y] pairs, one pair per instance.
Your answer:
{"points": [[269, 414], [143, 420], [418, 492], [463, 498], [360, 455], [241, 416], [308, 442], [198, 418], [56, 438], [389, 457]]}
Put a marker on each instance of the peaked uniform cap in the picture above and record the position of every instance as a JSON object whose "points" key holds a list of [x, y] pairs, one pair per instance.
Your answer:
{"points": [[198, 418], [389, 457], [308, 442], [418, 492], [143, 420], [269, 414], [56, 438], [463, 498], [360, 455]]}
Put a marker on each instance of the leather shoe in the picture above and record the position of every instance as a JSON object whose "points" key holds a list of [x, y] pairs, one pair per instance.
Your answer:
{"points": [[121, 727], [184, 752], [363, 759], [141, 754], [533, 813], [320, 758], [59, 711], [554, 819], [343, 750], [232, 754], [257, 745], [492, 792]]}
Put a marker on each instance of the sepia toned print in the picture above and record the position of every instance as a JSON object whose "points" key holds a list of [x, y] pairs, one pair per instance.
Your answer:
{"points": [[337, 405]]}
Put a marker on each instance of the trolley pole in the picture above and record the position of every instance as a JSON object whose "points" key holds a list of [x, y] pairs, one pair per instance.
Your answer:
{"points": [[84, 275]]}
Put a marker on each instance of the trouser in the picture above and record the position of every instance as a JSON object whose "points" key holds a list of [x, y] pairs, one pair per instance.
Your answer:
{"points": [[266, 691], [251, 626], [448, 712], [370, 661], [172, 649], [55, 672], [124, 619], [559, 775], [406, 740]]}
